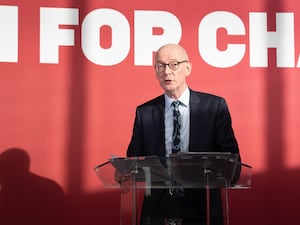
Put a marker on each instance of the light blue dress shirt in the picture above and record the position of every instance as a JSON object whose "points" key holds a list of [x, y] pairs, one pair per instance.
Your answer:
{"points": [[184, 118]]}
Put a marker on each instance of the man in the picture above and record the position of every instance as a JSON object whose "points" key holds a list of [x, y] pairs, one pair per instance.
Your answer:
{"points": [[204, 125]]}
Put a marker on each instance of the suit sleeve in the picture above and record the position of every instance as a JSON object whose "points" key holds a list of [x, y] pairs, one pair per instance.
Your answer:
{"points": [[136, 144], [225, 138]]}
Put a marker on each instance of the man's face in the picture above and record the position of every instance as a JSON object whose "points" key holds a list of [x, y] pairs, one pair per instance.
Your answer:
{"points": [[172, 68]]}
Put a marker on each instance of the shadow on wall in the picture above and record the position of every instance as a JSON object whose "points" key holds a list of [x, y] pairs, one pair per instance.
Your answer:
{"points": [[26, 198], [29, 199]]}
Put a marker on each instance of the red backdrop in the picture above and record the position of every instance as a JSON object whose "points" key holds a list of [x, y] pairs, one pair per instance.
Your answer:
{"points": [[65, 113]]}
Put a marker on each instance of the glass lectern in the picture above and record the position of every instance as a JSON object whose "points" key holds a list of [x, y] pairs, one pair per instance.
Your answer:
{"points": [[203, 170]]}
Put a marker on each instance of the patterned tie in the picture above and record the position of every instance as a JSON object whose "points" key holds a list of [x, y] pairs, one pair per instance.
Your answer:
{"points": [[176, 129]]}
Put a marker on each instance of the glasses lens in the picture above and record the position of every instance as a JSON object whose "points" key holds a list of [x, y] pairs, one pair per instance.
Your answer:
{"points": [[173, 65], [159, 67]]}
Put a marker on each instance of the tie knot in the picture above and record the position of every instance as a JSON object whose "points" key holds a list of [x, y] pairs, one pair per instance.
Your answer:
{"points": [[175, 104]]}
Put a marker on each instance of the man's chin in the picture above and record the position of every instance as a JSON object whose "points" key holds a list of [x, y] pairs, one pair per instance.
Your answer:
{"points": [[168, 87]]}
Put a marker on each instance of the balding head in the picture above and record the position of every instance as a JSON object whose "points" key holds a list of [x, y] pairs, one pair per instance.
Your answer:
{"points": [[172, 50]]}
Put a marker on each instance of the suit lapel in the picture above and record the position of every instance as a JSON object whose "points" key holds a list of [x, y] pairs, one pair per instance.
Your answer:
{"points": [[195, 120], [159, 125]]}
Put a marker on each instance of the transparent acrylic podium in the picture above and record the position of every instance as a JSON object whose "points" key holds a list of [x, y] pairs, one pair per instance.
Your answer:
{"points": [[201, 170]]}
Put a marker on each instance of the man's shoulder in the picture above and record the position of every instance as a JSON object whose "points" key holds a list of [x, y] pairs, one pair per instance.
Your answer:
{"points": [[159, 100], [154, 101], [205, 95]]}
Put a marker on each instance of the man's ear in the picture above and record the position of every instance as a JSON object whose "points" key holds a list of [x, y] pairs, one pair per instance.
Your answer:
{"points": [[188, 68]]}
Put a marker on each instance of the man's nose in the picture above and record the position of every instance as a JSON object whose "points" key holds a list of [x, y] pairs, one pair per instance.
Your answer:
{"points": [[167, 70]]}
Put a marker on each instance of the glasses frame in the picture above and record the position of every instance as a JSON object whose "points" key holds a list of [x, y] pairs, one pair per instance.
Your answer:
{"points": [[164, 66]]}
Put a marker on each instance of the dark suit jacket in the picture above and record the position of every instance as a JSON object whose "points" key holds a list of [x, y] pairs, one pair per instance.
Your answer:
{"points": [[210, 130], [210, 126]]}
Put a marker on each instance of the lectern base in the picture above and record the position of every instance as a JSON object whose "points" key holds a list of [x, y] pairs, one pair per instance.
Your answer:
{"points": [[157, 207]]}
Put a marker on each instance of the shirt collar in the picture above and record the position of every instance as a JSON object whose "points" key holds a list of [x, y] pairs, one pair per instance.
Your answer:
{"points": [[184, 99]]}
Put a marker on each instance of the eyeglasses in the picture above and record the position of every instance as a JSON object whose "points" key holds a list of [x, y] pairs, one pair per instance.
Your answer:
{"points": [[160, 67]]}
